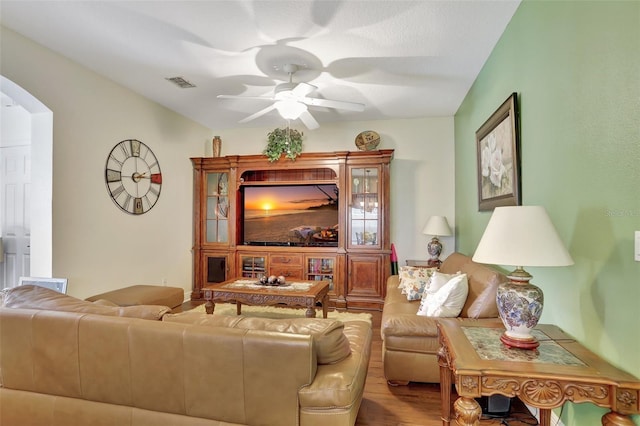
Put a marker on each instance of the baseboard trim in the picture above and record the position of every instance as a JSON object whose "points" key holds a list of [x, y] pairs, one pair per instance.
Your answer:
{"points": [[555, 420]]}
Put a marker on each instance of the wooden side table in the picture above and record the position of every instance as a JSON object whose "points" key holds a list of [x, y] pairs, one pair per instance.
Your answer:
{"points": [[559, 370], [428, 263]]}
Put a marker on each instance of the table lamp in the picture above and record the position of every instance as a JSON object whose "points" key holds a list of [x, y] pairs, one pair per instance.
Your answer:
{"points": [[520, 236], [436, 226]]}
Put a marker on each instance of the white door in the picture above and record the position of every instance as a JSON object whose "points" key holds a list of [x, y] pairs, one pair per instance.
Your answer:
{"points": [[15, 179]]}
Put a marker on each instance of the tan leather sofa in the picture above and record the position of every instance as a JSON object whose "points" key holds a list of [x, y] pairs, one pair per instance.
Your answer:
{"points": [[410, 342], [79, 368]]}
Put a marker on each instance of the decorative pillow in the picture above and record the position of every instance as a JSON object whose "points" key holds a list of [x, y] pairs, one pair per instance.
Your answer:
{"points": [[413, 279], [332, 344], [447, 300], [414, 287], [404, 273], [438, 279]]}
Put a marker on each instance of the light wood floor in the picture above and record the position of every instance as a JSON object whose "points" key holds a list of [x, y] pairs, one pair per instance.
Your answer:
{"points": [[417, 404]]}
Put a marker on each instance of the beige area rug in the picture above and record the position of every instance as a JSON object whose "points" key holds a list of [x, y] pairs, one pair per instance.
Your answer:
{"points": [[281, 312]]}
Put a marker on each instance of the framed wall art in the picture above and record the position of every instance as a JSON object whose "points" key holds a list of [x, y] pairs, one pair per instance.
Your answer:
{"points": [[498, 154]]}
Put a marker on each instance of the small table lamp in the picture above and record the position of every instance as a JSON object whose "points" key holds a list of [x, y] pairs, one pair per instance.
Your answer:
{"points": [[436, 226], [521, 236]]}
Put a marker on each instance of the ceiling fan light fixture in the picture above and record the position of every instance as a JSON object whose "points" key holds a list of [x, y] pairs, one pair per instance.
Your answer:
{"points": [[290, 110]]}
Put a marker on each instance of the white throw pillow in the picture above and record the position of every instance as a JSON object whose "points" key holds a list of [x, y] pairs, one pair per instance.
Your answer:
{"points": [[448, 300], [437, 281]]}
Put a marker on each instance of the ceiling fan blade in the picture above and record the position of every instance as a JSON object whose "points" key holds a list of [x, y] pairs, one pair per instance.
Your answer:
{"points": [[308, 120], [257, 114], [303, 89], [351, 106], [264, 98]]}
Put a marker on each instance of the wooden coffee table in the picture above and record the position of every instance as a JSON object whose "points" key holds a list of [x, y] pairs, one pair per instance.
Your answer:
{"points": [[249, 292], [560, 370]]}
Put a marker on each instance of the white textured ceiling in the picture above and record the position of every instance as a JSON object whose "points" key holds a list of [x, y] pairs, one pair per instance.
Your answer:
{"points": [[402, 59]]}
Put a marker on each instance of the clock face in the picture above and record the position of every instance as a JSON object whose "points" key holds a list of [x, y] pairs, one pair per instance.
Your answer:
{"points": [[133, 176]]}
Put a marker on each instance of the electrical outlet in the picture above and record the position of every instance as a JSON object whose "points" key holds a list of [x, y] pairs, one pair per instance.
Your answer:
{"points": [[164, 281], [637, 253]]}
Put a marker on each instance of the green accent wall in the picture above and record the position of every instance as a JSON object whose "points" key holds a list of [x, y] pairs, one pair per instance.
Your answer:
{"points": [[575, 66]]}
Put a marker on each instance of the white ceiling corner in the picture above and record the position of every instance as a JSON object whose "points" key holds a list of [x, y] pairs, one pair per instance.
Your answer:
{"points": [[402, 59]]}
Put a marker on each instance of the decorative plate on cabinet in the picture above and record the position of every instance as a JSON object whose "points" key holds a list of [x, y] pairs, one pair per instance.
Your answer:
{"points": [[367, 140]]}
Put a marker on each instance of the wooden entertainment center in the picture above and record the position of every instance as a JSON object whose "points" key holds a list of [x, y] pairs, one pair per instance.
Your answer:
{"points": [[353, 255]]}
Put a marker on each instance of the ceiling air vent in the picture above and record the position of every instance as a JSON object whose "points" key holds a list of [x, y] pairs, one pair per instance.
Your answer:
{"points": [[181, 82]]}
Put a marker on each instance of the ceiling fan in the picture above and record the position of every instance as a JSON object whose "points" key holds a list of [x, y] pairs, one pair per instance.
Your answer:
{"points": [[290, 100]]}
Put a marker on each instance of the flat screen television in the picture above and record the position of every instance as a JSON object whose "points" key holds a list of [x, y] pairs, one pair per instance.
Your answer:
{"points": [[289, 215]]}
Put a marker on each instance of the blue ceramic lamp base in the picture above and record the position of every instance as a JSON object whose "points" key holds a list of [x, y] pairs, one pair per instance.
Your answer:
{"points": [[520, 306]]}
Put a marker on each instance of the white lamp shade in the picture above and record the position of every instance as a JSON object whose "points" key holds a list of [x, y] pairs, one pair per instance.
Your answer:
{"points": [[438, 226], [521, 236]]}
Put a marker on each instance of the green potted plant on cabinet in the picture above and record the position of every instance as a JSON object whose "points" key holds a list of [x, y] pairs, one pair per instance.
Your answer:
{"points": [[283, 141]]}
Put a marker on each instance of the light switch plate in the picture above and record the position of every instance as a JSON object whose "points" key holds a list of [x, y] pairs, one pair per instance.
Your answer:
{"points": [[637, 252]]}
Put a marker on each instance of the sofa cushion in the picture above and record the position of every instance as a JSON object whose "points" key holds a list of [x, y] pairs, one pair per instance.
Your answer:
{"points": [[143, 295], [340, 384], [34, 297], [330, 341], [447, 299], [483, 285]]}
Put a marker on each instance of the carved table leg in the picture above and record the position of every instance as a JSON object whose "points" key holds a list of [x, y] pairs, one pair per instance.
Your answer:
{"points": [[545, 417], [325, 305], [446, 376], [616, 419], [445, 395], [311, 312], [209, 305], [467, 411]]}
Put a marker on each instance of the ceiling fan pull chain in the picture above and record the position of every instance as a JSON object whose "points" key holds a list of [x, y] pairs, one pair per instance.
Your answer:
{"points": [[288, 136]]}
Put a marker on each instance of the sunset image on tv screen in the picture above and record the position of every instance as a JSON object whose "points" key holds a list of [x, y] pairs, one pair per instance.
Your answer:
{"points": [[301, 214]]}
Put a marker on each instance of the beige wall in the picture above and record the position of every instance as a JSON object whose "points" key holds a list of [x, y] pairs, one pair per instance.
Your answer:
{"points": [[100, 248], [422, 181], [95, 245]]}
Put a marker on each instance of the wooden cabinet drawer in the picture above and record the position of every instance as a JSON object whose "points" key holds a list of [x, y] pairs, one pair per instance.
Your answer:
{"points": [[289, 272], [289, 265], [286, 259]]}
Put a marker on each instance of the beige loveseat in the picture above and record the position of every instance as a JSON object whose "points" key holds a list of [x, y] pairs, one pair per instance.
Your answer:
{"points": [[79, 368], [410, 342]]}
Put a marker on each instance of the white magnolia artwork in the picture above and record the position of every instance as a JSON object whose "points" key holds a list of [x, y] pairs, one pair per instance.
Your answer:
{"points": [[498, 162]]}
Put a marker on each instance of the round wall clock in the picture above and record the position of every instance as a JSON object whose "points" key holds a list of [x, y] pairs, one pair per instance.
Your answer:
{"points": [[133, 176]]}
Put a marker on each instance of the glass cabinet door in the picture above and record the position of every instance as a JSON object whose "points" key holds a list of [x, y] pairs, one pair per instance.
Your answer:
{"points": [[217, 208], [253, 266], [363, 216], [320, 268]]}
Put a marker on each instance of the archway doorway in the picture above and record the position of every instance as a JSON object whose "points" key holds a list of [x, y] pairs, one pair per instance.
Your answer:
{"points": [[26, 178]]}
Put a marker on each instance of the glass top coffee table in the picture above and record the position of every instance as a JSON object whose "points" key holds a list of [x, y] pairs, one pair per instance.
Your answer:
{"points": [[250, 292]]}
